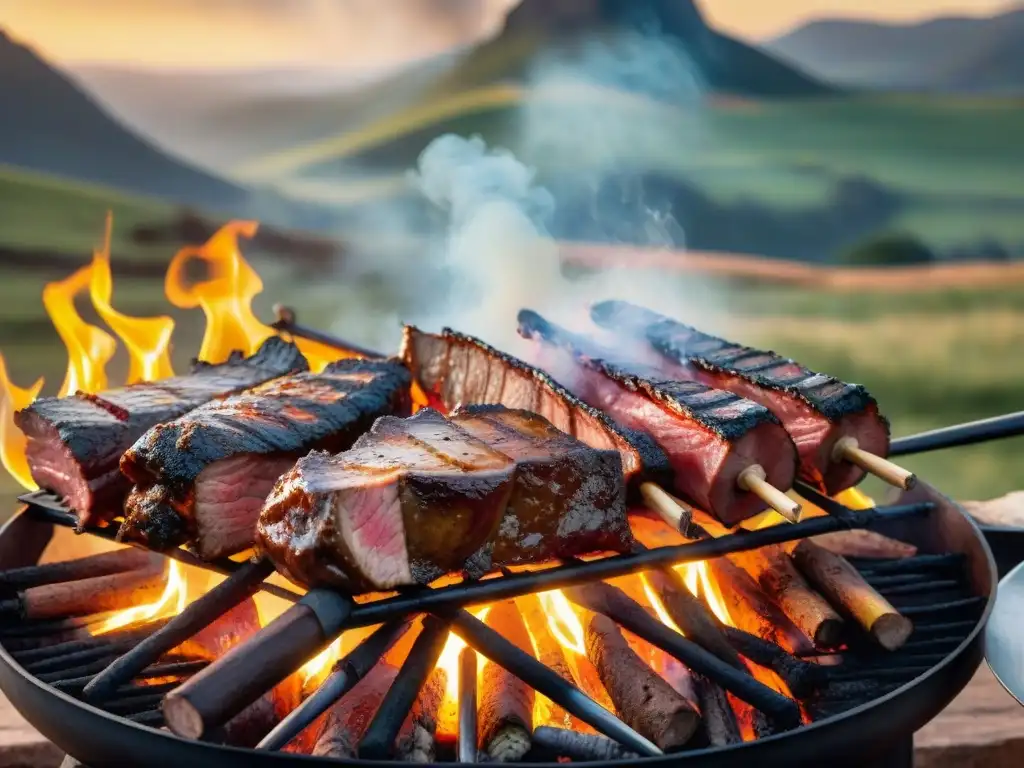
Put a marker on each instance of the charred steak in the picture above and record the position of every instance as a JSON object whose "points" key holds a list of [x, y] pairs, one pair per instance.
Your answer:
{"points": [[710, 435], [419, 497], [75, 443], [817, 410], [203, 478], [454, 369]]}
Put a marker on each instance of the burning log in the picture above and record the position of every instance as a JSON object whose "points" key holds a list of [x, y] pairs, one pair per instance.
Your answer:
{"points": [[506, 702], [415, 742], [112, 592], [717, 714], [379, 739], [846, 588], [691, 615], [346, 675], [867, 544], [467, 719], [643, 699], [772, 568], [750, 609], [489, 643], [213, 641], [801, 677], [224, 688], [239, 586], [549, 653], [105, 564], [613, 603], [348, 719], [562, 742], [250, 725]]}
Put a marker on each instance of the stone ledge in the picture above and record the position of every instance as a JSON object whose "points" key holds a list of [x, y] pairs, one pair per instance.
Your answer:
{"points": [[982, 728]]}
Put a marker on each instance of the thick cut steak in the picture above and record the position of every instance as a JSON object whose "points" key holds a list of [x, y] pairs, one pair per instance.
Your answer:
{"points": [[817, 410], [568, 498], [710, 435], [419, 497], [455, 370], [203, 478], [75, 443]]}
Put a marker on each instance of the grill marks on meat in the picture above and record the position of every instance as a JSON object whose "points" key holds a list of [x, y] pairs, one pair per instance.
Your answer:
{"points": [[567, 499], [817, 410], [204, 477], [419, 497], [412, 499], [454, 369], [710, 435], [75, 443]]}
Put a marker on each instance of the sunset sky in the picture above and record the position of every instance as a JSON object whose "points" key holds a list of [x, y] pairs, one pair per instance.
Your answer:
{"points": [[242, 33]]}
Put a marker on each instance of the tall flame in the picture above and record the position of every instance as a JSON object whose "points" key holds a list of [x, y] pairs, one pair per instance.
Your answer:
{"points": [[89, 348], [147, 339], [563, 621], [12, 442], [225, 296], [170, 603]]}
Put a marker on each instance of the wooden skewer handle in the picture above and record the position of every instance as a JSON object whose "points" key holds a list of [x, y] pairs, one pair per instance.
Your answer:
{"points": [[847, 449], [754, 479], [669, 509]]}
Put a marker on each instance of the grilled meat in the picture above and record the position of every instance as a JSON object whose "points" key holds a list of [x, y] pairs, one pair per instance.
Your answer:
{"points": [[203, 478], [568, 498], [75, 443], [454, 369], [817, 410], [710, 435], [419, 497]]}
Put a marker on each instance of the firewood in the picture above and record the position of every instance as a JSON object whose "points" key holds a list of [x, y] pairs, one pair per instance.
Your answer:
{"points": [[848, 591], [561, 742], [213, 641], [772, 568], [345, 723], [867, 544], [118, 561], [101, 593], [549, 652], [415, 742], [717, 714], [643, 700], [506, 702]]}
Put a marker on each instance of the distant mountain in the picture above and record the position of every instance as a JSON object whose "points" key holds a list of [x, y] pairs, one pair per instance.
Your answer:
{"points": [[50, 125], [721, 63], [944, 54]]}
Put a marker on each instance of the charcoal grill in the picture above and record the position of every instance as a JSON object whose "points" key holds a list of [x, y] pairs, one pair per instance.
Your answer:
{"points": [[99, 738], [924, 517]]}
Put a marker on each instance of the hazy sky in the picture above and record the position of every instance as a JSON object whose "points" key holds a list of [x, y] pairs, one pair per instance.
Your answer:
{"points": [[271, 32]]}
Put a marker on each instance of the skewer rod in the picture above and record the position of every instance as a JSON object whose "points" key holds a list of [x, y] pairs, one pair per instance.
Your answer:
{"points": [[754, 479], [847, 449]]}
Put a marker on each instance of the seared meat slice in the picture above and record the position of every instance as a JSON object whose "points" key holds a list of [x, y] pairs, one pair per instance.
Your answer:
{"points": [[817, 410], [75, 443], [420, 497], [455, 370], [710, 436], [413, 499], [568, 498], [204, 477]]}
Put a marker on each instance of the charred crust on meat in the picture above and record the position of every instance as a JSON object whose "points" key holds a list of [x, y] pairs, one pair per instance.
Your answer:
{"points": [[826, 395], [722, 413], [654, 462]]}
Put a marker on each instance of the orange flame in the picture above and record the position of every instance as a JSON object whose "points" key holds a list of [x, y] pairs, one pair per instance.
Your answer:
{"points": [[170, 603], [225, 297], [147, 339], [89, 348], [12, 442], [563, 620], [314, 670]]}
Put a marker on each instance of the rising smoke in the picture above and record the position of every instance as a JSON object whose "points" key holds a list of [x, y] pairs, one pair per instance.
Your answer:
{"points": [[493, 246]]}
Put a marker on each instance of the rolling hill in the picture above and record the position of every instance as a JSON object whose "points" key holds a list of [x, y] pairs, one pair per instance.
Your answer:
{"points": [[50, 125], [979, 55]]}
